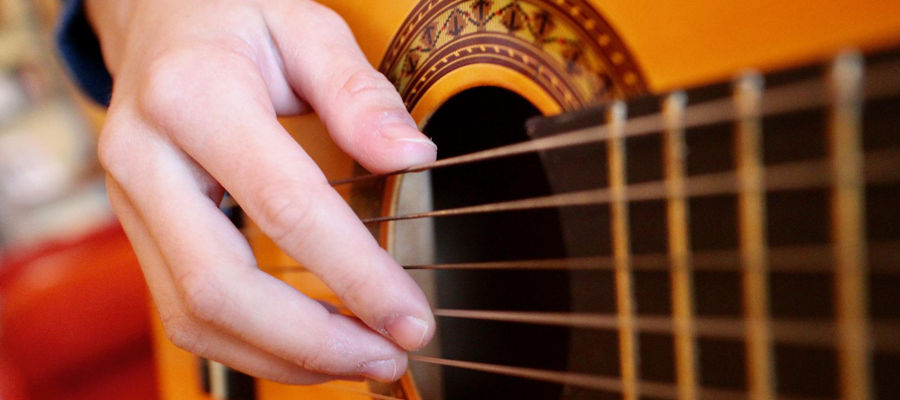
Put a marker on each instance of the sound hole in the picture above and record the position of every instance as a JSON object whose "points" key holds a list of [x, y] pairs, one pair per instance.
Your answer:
{"points": [[473, 120]]}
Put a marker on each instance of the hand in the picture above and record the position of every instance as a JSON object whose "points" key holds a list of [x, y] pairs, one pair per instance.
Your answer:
{"points": [[198, 86]]}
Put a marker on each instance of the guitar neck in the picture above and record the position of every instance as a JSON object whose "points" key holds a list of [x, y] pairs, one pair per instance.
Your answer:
{"points": [[786, 181]]}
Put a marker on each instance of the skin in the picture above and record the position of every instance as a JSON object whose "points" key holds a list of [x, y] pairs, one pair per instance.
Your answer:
{"points": [[197, 89]]}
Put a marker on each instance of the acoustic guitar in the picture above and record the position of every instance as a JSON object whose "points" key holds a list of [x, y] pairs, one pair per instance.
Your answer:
{"points": [[594, 231]]}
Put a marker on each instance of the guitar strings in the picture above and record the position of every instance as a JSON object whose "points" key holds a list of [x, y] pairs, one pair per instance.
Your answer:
{"points": [[595, 382], [795, 259], [565, 378], [798, 332], [588, 381], [777, 100], [809, 332], [784, 99], [803, 332], [880, 166]]}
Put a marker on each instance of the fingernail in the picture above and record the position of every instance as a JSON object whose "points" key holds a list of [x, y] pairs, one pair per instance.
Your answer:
{"points": [[418, 140], [381, 370], [407, 331], [400, 129]]}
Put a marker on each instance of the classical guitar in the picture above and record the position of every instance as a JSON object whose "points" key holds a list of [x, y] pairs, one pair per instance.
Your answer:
{"points": [[594, 231]]}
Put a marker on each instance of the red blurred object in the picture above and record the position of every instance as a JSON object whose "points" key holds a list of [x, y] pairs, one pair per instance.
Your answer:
{"points": [[74, 320], [11, 382]]}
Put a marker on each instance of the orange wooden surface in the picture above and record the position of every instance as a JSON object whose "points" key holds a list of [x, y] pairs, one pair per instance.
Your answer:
{"points": [[679, 43]]}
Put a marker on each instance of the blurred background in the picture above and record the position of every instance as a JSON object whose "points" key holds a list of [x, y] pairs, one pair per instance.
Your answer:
{"points": [[73, 306]]}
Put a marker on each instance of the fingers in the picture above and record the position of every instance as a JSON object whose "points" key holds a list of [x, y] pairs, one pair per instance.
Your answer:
{"points": [[360, 107], [205, 342], [234, 135], [367, 118], [213, 272], [202, 115]]}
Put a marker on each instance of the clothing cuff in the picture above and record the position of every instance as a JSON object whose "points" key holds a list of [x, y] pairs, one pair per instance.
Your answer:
{"points": [[80, 52]]}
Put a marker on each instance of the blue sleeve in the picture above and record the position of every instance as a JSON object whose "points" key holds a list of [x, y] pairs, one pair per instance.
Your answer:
{"points": [[80, 51]]}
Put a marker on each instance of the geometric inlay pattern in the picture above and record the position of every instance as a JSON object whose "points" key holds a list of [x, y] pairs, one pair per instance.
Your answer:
{"points": [[565, 46]]}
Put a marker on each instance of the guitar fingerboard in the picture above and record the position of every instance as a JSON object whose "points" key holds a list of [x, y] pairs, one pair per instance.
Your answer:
{"points": [[752, 233]]}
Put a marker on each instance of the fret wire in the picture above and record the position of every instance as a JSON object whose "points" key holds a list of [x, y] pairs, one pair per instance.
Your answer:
{"points": [[679, 246], [621, 247], [796, 259], [752, 233], [218, 379], [881, 166], [783, 99], [848, 228]]}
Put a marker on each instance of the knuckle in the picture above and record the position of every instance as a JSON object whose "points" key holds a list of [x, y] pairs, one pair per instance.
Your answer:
{"points": [[112, 148], [314, 361], [116, 147], [202, 297], [365, 81], [356, 288], [287, 215], [162, 90], [324, 358]]}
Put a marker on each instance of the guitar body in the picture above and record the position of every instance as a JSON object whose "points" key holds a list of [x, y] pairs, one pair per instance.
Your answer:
{"points": [[557, 56]]}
